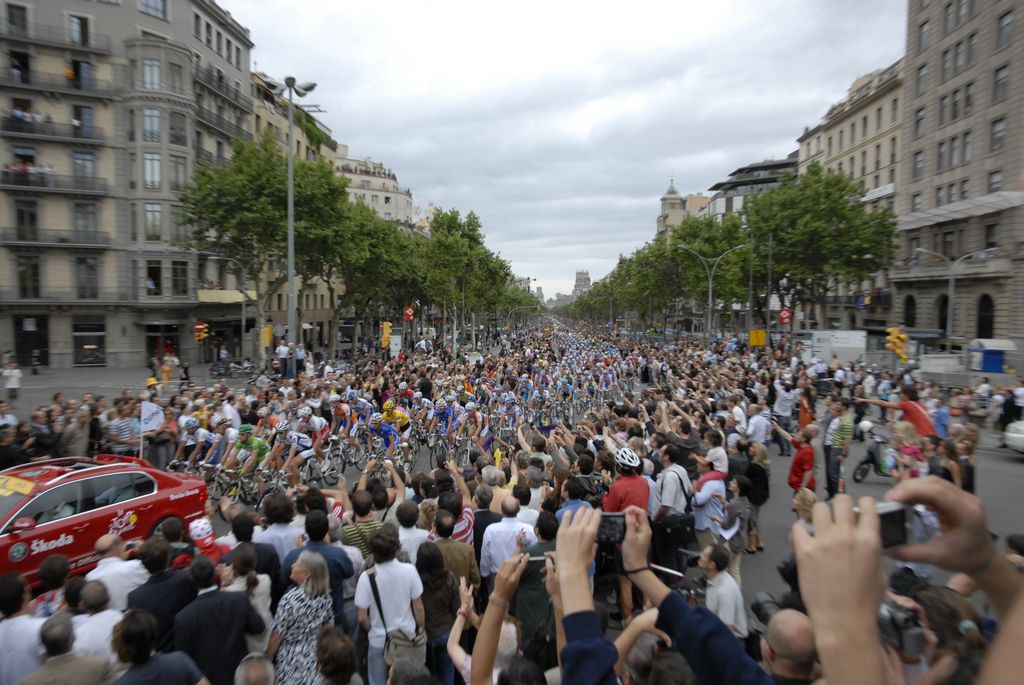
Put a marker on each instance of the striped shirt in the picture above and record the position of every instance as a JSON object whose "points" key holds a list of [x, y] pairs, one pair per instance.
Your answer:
{"points": [[463, 531], [358, 535], [843, 431], [123, 430]]}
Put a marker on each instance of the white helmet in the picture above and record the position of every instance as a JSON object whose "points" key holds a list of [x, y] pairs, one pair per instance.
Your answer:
{"points": [[403, 385], [376, 417], [470, 406], [627, 458], [865, 426], [442, 403], [417, 395], [335, 397], [305, 412]]}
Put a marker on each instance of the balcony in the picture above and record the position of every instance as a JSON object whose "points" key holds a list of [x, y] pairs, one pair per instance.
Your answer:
{"points": [[55, 36], [222, 124], [880, 299], [57, 83], [216, 83], [204, 156], [14, 127], [34, 237], [929, 269], [44, 296], [52, 183]]}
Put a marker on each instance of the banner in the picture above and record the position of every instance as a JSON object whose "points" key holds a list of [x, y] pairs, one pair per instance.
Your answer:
{"points": [[152, 417]]}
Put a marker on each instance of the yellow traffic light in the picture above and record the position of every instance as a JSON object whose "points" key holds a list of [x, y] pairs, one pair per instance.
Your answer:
{"points": [[896, 342], [385, 337]]}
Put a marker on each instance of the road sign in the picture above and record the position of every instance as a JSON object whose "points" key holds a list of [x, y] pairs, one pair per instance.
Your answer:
{"points": [[200, 327], [410, 313], [785, 315], [757, 337]]}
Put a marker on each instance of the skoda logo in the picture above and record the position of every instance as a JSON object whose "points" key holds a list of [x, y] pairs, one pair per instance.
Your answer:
{"points": [[18, 552]]}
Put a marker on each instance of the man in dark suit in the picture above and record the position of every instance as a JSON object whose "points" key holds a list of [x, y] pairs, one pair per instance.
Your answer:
{"points": [[243, 526], [165, 593], [339, 566], [482, 516], [212, 629]]}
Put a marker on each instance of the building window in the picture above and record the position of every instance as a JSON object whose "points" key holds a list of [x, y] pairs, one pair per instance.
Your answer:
{"points": [[853, 132], [219, 43], [840, 141], [26, 217], [863, 163], [151, 170], [280, 302], [998, 134], [197, 25], [923, 36], [88, 334], [986, 317], [154, 277], [1001, 83], [954, 151], [151, 74], [83, 164], [949, 244], [995, 181], [922, 79], [965, 189], [177, 78], [87, 278], [78, 30], [153, 221], [179, 278], [919, 122], [958, 59], [373, 199], [951, 193], [238, 56], [894, 115], [1004, 32], [178, 173], [938, 196], [948, 18], [151, 125], [968, 98], [133, 221], [878, 157], [943, 103], [176, 129], [967, 146], [209, 35], [947, 64], [972, 48], [915, 202], [28, 277], [918, 168], [991, 236], [878, 119], [178, 227], [892, 150], [85, 219], [157, 8], [910, 311], [954, 105]]}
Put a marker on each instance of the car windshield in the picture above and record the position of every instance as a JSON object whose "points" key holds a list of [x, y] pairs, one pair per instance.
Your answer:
{"points": [[12, 492]]}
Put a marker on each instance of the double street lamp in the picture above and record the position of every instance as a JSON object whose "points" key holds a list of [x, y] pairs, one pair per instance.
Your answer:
{"points": [[710, 265], [951, 292], [300, 90]]}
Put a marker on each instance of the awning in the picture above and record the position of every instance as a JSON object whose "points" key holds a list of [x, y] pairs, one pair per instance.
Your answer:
{"points": [[963, 209], [160, 322], [994, 344]]}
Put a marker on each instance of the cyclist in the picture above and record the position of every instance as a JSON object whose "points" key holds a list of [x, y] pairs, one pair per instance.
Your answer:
{"points": [[195, 441], [341, 413], [476, 424], [386, 432], [301, 441], [257, 449], [397, 418], [267, 421], [224, 438], [317, 424]]}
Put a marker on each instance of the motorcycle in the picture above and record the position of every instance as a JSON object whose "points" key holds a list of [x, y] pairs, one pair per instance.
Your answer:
{"points": [[874, 459], [240, 369]]}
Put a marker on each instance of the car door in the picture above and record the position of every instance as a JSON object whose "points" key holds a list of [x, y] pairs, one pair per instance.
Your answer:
{"points": [[123, 504], [60, 514]]}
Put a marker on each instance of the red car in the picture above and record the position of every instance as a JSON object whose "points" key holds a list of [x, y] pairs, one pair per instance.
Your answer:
{"points": [[65, 505]]}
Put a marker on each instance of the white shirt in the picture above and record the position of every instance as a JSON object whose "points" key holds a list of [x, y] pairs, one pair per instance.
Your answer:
{"points": [[411, 539], [500, 543], [740, 416], [120, 577], [398, 584], [758, 429], [22, 653], [528, 516], [283, 537], [671, 490], [725, 601], [8, 420], [282, 351], [92, 636], [12, 378]]}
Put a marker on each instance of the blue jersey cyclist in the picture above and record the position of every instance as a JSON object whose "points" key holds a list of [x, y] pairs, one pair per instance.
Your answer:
{"points": [[385, 431]]}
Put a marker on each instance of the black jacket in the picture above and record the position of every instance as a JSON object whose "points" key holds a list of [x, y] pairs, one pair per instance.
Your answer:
{"points": [[481, 519], [267, 562], [212, 631], [164, 595]]}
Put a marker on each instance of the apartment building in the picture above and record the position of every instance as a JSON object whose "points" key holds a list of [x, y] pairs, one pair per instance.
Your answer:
{"points": [[860, 136], [960, 173], [676, 207], [106, 108], [753, 178], [377, 185]]}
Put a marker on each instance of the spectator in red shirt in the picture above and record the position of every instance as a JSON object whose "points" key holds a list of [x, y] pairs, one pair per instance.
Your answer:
{"points": [[801, 471], [913, 411], [629, 489]]}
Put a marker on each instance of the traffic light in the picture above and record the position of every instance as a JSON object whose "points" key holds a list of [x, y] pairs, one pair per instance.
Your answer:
{"points": [[896, 342], [385, 337], [202, 331]]}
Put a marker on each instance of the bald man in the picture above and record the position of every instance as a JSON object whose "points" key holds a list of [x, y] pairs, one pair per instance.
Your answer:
{"points": [[788, 648], [117, 573]]}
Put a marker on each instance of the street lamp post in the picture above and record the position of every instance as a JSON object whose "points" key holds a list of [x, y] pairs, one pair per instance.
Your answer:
{"points": [[951, 291], [710, 265], [293, 89]]}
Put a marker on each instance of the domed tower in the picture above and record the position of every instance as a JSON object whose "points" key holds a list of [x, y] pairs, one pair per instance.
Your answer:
{"points": [[673, 208]]}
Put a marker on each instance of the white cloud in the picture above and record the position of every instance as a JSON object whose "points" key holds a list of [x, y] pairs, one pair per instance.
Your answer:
{"points": [[560, 122]]}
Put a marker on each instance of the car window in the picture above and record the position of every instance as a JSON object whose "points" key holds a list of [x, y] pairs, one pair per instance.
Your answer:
{"points": [[143, 484], [53, 505], [113, 488]]}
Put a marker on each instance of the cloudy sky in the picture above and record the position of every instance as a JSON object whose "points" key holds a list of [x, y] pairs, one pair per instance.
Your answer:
{"points": [[561, 122]]}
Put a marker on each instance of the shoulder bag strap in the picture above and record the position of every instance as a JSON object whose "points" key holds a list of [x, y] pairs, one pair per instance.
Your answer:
{"points": [[376, 598]]}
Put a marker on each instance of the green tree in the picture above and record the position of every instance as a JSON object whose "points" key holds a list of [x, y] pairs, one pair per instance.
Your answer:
{"points": [[819, 233]]}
